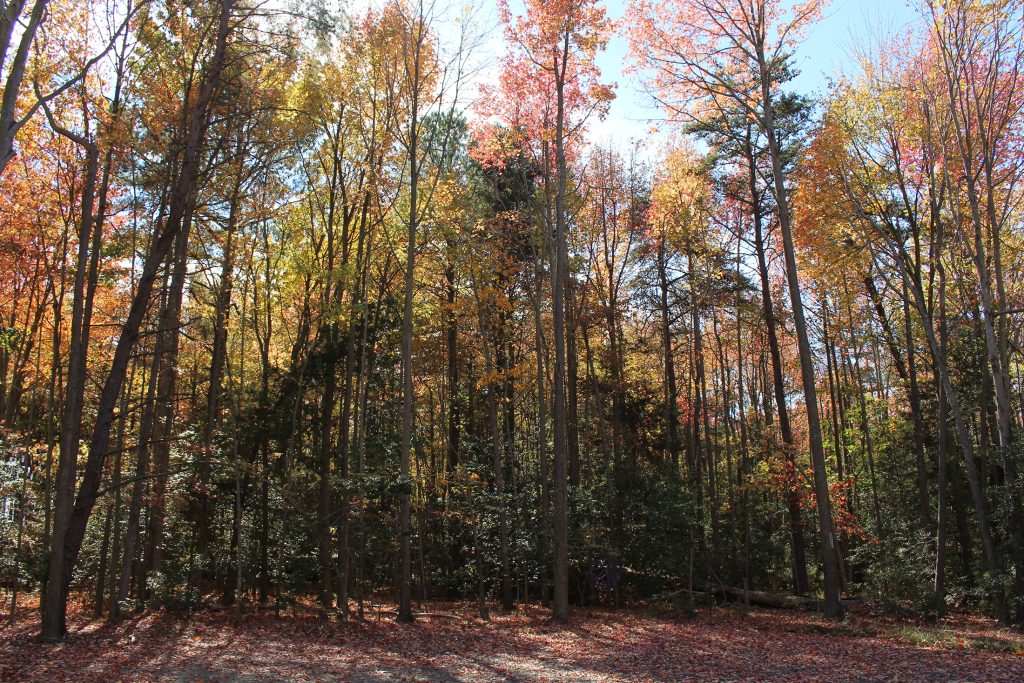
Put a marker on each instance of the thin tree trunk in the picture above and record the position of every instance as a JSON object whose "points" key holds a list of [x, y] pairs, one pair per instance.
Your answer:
{"points": [[166, 402], [408, 395], [671, 391], [498, 467], [923, 502], [560, 608], [943, 437], [145, 438], [833, 607], [218, 358], [323, 525], [796, 534], [542, 438], [74, 511], [54, 594]]}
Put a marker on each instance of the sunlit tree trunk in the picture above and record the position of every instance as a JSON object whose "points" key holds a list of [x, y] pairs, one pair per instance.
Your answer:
{"points": [[830, 557], [74, 510], [796, 534], [560, 565]]}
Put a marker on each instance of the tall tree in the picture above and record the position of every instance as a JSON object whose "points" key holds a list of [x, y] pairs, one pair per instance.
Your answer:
{"points": [[72, 508], [557, 44], [753, 42]]}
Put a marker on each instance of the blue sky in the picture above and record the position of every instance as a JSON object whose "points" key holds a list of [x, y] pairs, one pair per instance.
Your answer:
{"points": [[825, 51]]}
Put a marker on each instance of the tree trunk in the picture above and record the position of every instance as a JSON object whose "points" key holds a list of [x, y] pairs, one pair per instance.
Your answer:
{"points": [[408, 395], [560, 607], [923, 502], [542, 438], [74, 513], [146, 427], [54, 592], [796, 534], [325, 556], [943, 438], [166, 402], [218, 358], [832, 607], [671, 392]]}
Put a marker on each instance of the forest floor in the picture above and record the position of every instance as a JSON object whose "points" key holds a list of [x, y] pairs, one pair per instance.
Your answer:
{"points": [[635, 644]]}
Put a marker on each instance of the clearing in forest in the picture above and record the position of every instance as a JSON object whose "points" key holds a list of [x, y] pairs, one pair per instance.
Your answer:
{"points": [[599, 645]]}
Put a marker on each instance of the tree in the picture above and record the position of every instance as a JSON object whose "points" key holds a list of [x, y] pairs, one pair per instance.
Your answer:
{"points": [[72, 508], [557, 43], [752, 43]]}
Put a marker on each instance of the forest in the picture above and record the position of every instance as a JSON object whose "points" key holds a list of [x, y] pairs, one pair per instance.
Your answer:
{"points": [[325, 309]]}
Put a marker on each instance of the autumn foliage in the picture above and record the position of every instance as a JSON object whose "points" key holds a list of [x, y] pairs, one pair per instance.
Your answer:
{"points": [[307, 311]]}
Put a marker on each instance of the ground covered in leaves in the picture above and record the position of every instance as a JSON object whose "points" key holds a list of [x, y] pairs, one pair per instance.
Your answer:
{"points": [[637, 644]]}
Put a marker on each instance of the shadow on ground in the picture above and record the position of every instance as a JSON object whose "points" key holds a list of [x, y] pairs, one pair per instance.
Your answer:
{"points": [[599, 645]]}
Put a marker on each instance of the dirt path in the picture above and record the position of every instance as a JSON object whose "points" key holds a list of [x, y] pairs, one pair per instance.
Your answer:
{"points": [[599, 645]]}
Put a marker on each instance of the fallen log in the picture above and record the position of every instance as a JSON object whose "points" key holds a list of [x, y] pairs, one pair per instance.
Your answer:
{"points": [[431, 615], [680, 593], [766, 599], [747, 597]]}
